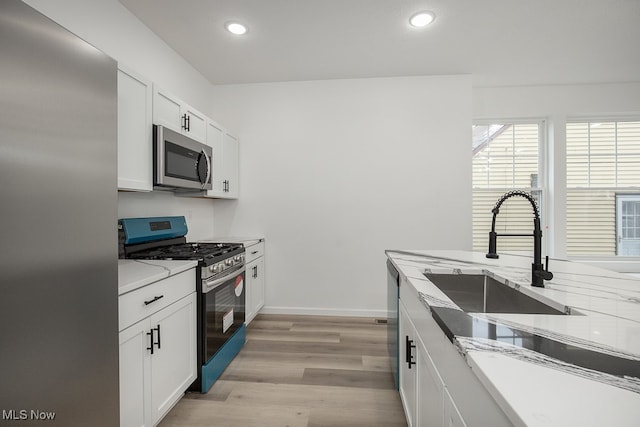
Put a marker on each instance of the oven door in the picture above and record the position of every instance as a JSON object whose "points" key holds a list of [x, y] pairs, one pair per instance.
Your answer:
{"points": [[180, 162], [223, 306]]}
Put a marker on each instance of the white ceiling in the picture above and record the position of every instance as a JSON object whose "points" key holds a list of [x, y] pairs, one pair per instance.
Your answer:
{"points": [[498, 42]]}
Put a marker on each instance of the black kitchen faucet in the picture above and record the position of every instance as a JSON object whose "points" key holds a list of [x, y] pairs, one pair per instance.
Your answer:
{"points": [[539, 273]]}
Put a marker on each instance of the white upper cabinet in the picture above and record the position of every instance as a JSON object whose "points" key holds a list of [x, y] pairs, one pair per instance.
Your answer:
{"points": [[135, 167], [171, 112], [225, 162], [231, 151], [141, 104]]}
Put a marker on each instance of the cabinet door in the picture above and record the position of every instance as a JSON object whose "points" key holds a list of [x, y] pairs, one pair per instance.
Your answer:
{"points": [[197, 124], [167, 110], [255, 288], [452, 417], [430, 388], [231, 152], [134, 132], [407, 375], [173, 363], [214, 139], [135, 375], [258, 288]]}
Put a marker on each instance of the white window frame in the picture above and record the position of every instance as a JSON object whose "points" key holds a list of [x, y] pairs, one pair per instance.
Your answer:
{"points": [[543, 168], [619, 199], [615, 262]]}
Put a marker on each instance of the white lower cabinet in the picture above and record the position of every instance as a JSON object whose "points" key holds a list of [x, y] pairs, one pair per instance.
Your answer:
{"points": [[452, 417], [408, 374], [430, 391], [254, 256], [437, 386], [421, 388], [157, 352]]}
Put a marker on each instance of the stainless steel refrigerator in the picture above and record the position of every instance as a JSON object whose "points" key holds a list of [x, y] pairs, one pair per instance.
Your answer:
{"points": [[58, 216]]}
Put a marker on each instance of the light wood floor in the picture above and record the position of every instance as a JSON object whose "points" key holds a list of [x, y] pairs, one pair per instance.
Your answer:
{"points": [[301, 371]]}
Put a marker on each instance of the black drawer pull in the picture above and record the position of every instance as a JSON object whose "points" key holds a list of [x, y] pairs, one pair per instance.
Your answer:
{"points": [[153, 300], [409, 354]]}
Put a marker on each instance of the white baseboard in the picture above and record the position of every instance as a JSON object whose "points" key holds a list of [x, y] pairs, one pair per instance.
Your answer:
{"points": [[309, 311]]}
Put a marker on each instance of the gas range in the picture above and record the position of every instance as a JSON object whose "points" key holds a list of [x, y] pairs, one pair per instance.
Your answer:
{"points": [[220, 311]]}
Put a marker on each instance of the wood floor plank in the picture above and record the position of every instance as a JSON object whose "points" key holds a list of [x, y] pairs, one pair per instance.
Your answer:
{"points": [[203, 413], [301, 371], [316, 348], [270, 325], [376, 363], [288, 335], [358, 338], [348, 378], [267, 360]]}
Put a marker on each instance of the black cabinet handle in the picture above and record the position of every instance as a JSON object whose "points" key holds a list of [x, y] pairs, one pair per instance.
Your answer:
{"points": [[188, 123], [150, 334], [153, 300], [255, 271], [409, 354], [184, 121], [157, 328]]}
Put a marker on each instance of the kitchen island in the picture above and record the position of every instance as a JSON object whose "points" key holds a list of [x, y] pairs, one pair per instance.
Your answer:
{"points": [[580, 366]]}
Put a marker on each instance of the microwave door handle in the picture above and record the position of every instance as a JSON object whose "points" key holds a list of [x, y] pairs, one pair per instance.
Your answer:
{"points": [[206, 180]]}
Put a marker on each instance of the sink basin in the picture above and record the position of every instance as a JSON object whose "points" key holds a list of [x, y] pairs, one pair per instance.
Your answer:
{"points": [[479, 293]]}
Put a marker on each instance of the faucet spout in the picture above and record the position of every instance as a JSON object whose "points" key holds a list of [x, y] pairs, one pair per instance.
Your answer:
{"points": [[539, 273]]}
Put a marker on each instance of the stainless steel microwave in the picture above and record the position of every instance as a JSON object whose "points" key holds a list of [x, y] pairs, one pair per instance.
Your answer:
{"points": [[179, 162]]}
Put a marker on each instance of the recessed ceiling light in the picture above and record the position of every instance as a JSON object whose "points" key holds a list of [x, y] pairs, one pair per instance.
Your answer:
{"points": [[236, 28], [422, 19]]}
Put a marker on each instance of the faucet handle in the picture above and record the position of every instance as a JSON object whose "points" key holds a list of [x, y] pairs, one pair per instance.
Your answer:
{"points": [[546, 274]]}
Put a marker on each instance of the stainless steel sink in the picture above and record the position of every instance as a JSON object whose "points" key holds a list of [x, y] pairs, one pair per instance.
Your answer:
{"points": [[479, 293]]}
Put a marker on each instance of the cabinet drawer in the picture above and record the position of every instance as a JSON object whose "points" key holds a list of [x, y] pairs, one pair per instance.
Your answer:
{"points": [[254, 251], [145, 301]]}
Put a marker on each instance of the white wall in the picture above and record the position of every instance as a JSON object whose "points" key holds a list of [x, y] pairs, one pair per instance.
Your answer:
{"points": [[110, 27], [335, 172], [556, 104]]}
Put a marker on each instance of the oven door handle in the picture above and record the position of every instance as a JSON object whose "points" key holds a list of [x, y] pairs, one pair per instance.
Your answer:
{"points": [[210, 285]]}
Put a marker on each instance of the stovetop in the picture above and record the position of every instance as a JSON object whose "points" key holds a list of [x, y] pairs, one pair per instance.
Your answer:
{"points": [[207, 253], [165, 238]]}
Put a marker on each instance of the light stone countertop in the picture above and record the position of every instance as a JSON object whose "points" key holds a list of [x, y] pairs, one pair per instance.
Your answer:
{"points": [[134, 274], [534, 388]]}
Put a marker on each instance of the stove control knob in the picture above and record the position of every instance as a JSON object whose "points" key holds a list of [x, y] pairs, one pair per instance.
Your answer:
{"points": [[237, 258], [229, 262]]}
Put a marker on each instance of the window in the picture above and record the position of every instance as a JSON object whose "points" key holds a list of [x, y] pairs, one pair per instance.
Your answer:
{"points": [[603, 188], [628, 224], [505, 157]]}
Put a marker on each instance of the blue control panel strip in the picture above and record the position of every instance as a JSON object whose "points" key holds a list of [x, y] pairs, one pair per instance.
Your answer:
{"points": [[142, 230], [218, 363]]}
